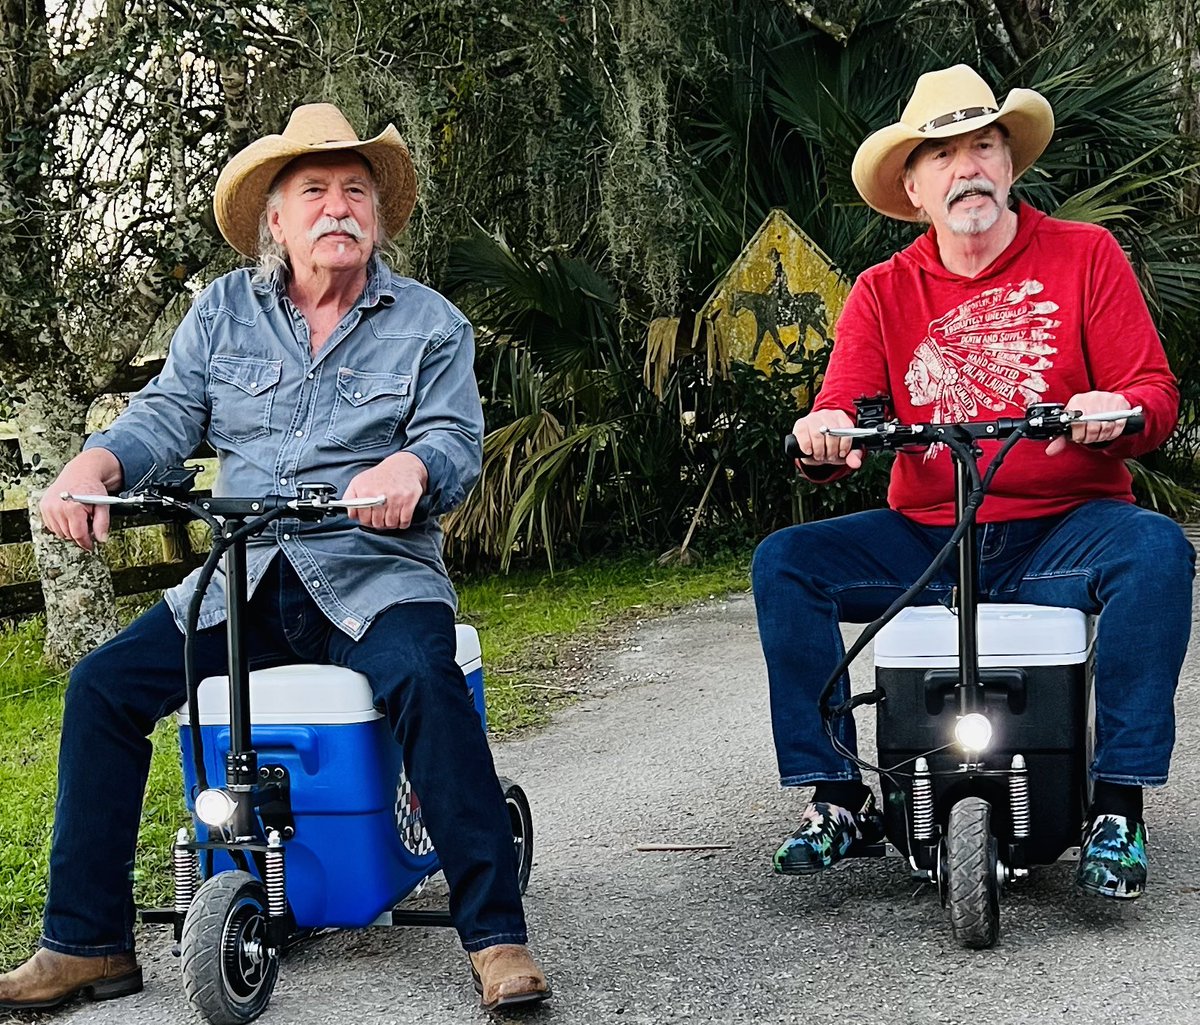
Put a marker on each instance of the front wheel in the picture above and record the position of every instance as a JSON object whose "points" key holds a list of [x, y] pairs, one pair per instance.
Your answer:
{"points": [[229, 972], [520, 819], [972, 889]]}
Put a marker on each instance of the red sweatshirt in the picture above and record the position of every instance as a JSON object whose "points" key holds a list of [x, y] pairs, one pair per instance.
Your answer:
{"points": [[1057, 313]]}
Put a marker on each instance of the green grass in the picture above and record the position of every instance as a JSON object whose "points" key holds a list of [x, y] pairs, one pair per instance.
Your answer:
{"points": [[29, 732], [528, 623]]}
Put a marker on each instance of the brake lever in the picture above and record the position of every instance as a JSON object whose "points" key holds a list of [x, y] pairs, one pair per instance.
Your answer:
{"points": [[320, 502], [1121, 414], [360, 503], [66, 496], [852, 432], [1074, 416]]}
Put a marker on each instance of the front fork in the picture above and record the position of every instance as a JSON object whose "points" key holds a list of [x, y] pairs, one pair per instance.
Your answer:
{"points": [[927, 835], [185, 864]]}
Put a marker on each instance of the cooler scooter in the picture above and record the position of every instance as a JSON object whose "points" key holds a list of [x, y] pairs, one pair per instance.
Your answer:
{"points": [[304, 819], [983, 711]]}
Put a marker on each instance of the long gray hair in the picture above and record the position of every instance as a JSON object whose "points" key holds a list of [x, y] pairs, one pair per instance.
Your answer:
{"points": [[273, 256]]}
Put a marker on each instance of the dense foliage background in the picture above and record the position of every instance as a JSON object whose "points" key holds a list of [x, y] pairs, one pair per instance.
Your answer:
{"points": [[588, 172]]}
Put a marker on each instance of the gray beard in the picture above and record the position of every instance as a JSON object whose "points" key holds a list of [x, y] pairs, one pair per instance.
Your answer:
{"points": [[976, 222]]}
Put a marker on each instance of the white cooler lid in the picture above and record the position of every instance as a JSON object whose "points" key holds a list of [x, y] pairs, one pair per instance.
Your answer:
{"points": [[311, 694], [1028, 634]]}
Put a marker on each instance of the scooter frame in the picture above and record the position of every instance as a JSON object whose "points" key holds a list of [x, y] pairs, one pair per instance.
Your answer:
{"points": [[261, 820], [936, 839]]}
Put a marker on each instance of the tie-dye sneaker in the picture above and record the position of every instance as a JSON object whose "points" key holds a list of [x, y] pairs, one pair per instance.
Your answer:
{"points": [[1112, 860], [826, 834]]}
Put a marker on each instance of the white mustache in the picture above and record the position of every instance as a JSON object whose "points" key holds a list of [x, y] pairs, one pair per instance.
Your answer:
{"points": [[961, 188], [329, 225]]}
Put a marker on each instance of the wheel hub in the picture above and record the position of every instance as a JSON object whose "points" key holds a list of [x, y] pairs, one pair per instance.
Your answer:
{"points": [[940, 874], [243, 962]]}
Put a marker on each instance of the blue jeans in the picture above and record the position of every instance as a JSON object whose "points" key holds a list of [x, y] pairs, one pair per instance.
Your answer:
{"points": [[1131, 567], [119, 691]]}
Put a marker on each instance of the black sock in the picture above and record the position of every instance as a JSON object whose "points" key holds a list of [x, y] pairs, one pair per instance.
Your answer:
{"points": [[1116, 799], [845, 793]]}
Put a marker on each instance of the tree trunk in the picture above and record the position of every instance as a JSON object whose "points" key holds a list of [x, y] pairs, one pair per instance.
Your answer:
{"points": [[80, 605], [1029, 24]]}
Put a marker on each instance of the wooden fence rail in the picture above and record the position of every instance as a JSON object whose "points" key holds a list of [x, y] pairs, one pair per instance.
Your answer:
{"points": [[178, 561], [178, 558]]}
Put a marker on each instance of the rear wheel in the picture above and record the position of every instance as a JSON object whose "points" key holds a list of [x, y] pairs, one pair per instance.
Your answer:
{"points": [[972, 888], [520, 819]]}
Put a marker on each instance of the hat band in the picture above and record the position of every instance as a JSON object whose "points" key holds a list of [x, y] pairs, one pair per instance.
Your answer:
{"points": [[957, 115]]}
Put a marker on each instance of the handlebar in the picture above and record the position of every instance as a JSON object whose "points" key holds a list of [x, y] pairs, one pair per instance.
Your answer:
{"points": [[232, 506], [172, 488], [1042, 421]]}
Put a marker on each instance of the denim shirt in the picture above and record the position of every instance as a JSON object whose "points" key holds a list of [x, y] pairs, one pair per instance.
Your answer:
{"points": [[395, 375]]}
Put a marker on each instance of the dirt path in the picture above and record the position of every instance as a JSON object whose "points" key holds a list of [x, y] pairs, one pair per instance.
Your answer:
{"points": [[673, 745]]}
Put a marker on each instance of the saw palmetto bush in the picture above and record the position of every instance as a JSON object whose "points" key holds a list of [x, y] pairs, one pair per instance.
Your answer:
{"points": [[626, 150], [752, 106], [786, 133]]}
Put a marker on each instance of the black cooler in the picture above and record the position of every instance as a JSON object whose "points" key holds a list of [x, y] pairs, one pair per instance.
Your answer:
{"points": [[1034, 665]]}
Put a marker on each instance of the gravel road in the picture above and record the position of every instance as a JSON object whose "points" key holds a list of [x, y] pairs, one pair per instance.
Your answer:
{"points": [[672, 745]]}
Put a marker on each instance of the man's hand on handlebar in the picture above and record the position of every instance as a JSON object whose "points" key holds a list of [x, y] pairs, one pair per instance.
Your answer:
{"points": [[822, 449], [402, 479], [1092, 433], [94, 472]]}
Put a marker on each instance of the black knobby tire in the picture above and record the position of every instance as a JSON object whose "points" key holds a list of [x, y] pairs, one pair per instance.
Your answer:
{"points": [[520, 819], [228, 972], [972, 890]]}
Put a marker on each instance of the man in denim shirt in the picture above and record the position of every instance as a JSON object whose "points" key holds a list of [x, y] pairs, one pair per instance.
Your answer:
{"points": [[320, 365]]}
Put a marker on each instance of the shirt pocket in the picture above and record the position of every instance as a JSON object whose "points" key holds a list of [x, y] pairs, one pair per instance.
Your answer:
{"points": [[242, 391], [368, 408]]}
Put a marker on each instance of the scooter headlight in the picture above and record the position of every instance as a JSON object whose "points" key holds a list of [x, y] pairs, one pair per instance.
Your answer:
{"points": [[215, 808], [973, 731]]}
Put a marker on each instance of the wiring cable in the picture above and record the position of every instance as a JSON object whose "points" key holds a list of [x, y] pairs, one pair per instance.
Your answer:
{"points": [[977, 491]]}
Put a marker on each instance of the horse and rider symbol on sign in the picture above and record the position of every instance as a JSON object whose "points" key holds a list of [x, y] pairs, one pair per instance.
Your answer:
{"points": [[777, 304]]}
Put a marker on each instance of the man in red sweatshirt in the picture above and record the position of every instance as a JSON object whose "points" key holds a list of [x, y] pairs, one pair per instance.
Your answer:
{"points": [[996, 306]]}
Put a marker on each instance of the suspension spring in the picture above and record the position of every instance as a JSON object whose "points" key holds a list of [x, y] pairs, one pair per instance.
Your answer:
{"points": [[276, 886], [184, 869], [922, 802], [1018, 798]]}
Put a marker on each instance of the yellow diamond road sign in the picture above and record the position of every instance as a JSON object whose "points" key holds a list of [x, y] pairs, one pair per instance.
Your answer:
{"points": [[778, 302]]}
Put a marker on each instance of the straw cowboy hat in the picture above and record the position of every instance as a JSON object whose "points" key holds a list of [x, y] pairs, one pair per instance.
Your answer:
{"points": [[946, 103], [241, 195]]}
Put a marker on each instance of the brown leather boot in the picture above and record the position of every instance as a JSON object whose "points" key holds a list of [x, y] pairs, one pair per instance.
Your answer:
{"points": [[506, 974], [49, 979]]}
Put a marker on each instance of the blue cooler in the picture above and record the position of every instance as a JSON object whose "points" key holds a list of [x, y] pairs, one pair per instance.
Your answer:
{"points": [[360, 845]]}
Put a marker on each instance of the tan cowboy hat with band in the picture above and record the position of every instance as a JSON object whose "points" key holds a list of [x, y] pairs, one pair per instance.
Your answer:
{"points": [[241, 195], [946, 103]]}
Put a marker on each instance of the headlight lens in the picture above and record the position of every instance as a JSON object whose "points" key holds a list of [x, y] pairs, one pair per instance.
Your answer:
{"points": [[973, 731], [215, 808]]}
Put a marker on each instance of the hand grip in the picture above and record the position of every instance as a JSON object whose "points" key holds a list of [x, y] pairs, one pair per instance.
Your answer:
{"points": [[791, 448], [1135, 424]]}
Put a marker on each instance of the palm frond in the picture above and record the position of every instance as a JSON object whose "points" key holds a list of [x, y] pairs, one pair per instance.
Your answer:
{"points": [[549, 497], [480, 524], [560, 308], [1163, 494]]}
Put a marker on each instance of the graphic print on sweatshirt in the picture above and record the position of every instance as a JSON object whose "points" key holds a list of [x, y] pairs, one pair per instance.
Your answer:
{"points": [[985, 356]]}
